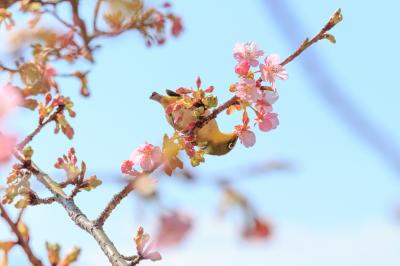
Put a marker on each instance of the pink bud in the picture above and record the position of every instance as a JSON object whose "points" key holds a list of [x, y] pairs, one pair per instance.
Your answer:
{"points": [[242, 68], [198, 82], [126, 166], [210, 89], [48, 98]]}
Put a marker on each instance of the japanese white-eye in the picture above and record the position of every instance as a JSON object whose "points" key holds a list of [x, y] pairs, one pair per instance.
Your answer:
{"points": [[209, 137]]}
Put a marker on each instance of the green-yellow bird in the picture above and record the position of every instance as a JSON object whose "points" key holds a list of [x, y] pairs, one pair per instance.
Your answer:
{"points": [[209, 137]]}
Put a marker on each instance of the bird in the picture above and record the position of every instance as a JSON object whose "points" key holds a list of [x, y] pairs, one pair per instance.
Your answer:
{"points": [[209, 137]]}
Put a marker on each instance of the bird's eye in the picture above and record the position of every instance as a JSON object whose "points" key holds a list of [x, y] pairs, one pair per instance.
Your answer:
{"points": [[231, 145]]}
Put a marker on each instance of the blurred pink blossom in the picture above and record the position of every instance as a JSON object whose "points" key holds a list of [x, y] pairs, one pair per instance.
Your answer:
{"points": [[248, 52], [257, 229], [7, 143], [247, 90], [177, 26], [9, 99], [173, 227], [50, 72], [267, 121], [273, 70], [147, 156]]}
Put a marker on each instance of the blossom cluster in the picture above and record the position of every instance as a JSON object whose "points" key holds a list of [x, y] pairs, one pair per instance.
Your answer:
{"points": [[191, 106], [257, 93], [10, 98]]}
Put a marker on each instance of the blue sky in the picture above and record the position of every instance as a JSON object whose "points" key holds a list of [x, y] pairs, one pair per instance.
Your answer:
{"points": [[341, 190]]}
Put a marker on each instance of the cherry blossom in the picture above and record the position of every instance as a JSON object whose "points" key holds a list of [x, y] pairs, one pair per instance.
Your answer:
{"points": [[9, 99], [7, 143], [267, 121], [174, 226], [247, 51], [247, 90], [147, 156], [246, 136], [273, 70], [263, 106]]}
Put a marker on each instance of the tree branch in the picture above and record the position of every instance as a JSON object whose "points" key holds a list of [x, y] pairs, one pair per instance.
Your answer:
{"points": [[77, 215], [21, 240]]}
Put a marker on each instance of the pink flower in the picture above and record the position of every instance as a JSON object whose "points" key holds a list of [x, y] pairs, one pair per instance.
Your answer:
{"points": [[177, 26], [246, 136], [273, 70], [247, 90], [263, 106], [147, 156], [242, 68], [7, 144], [258, 229], [9, 99], [127, 168], [173, 227], [267, 121], [247, 51], [50, 72]]}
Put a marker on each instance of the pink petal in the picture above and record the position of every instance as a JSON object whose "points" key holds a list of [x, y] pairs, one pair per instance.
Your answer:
{"points": [[247, 138], [272, 59]]}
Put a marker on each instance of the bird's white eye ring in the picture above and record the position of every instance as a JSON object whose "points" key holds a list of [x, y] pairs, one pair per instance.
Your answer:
{"points": [[230, 145]]}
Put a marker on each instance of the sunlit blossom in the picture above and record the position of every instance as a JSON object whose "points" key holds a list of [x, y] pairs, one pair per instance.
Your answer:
{"points": [[247, 90], [147, 156], [247, 51], [267, 121], [246, 136], [272, 70]]}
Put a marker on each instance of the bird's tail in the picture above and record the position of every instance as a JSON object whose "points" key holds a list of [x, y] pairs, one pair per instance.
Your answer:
{"points": [[156, 97]]}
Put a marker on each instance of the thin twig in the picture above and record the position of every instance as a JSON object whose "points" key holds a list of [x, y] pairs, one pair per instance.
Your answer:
{"points": [[96, 15], [82, 26], [204, 120], [34, 199], [11, 70], [41, 125], [20, 214], [336, 18], [113, 204], [55, 14], [21, 240]]}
